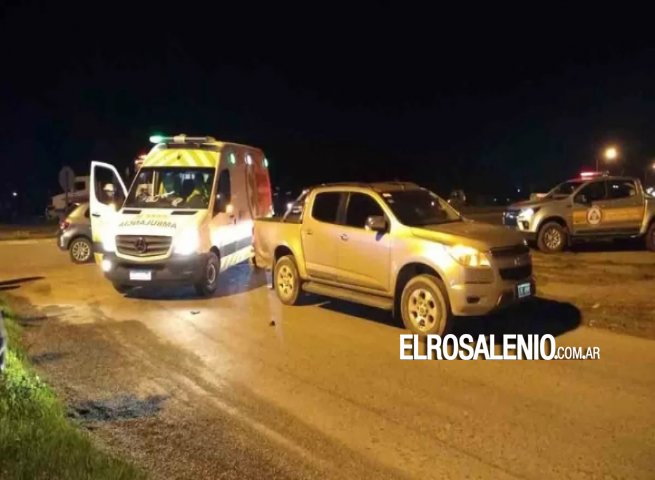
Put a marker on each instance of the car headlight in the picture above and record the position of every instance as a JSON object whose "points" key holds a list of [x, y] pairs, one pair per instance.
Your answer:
{"points": [[187, 242], [468, 256], [109, 243], [527, 213]]}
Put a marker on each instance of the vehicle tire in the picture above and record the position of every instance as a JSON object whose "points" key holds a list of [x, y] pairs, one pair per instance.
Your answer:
{"points": [[286, 280], [208, 283], [650, 237], [120, 288], [552, 238], [80, 250], [424, 306]]}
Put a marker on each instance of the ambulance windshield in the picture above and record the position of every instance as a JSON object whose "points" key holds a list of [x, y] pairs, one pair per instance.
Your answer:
{"points": [[171, 187]]}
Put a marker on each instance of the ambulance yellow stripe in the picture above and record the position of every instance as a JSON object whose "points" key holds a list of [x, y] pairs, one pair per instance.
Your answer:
{"points": [[182, 158]]}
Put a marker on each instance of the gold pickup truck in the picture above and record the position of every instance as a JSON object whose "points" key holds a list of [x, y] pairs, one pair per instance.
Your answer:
{"points": [[394, 246]]}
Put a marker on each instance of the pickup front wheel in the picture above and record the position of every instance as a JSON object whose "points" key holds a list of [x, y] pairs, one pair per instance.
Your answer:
{"points": [[425, 307], [551, 238], [287, 280]]}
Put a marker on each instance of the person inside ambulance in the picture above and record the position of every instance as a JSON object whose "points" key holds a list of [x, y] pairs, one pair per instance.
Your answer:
{"points": [[198, 196]]}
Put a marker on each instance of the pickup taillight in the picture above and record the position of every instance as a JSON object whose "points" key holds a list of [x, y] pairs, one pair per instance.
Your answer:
{"points": [[64, 225]]}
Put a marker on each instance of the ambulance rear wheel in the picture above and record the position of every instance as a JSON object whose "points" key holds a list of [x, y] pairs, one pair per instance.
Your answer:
{"points": [[208, 282], [552, 238], [650, 237]]}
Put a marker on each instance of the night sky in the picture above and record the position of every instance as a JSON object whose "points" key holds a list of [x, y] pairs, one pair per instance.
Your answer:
{"points": [[481, 100]]}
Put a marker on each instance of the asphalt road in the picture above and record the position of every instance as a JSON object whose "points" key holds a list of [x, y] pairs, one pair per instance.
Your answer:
{"points": [[239, 386]]}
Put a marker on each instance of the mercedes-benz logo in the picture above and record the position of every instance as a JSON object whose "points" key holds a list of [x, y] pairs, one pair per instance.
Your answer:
{"points": [[141, 245]]}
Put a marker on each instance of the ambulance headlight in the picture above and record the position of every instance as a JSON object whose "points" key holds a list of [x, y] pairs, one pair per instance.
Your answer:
{"points": [[109, 243], [106, 265], [468, 256], [187, 242]]}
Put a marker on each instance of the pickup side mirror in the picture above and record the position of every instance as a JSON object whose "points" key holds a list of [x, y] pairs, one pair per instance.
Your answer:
{"points": [[376, 223], [581, 198]]}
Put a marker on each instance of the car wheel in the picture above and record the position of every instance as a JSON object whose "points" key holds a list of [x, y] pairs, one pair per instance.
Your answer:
{"points": [[552, 238], [208, 283], [424, 306], [80, 250], [650, 237], [286, 280], [120, 288]]}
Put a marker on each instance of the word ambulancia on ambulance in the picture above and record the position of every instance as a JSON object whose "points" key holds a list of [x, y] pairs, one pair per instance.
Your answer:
{"points": [[187, 216]]}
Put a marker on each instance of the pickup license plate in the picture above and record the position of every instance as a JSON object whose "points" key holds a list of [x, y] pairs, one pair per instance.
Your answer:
{"points": [[524, 290], [142, 275]]}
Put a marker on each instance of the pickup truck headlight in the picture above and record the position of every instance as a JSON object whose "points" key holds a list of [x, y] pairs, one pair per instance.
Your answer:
{"points": [[468, 256], [527, 213], [187, 242]]}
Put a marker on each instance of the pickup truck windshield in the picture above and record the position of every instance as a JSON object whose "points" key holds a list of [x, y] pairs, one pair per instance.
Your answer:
{"points": [[171, 187], [416, 208], [564, 189]]}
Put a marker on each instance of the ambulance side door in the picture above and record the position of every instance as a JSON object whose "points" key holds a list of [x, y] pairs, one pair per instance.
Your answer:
{"points": [[106, 197]]}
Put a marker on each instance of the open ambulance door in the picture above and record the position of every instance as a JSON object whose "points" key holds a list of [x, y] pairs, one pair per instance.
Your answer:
{"points": [[106, 197]]}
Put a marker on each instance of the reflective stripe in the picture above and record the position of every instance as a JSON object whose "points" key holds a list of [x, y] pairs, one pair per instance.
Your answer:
{"points": [[176, 157]]}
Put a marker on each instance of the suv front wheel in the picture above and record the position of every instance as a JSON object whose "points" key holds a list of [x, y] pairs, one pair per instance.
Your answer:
{"points": [[425, 307]]}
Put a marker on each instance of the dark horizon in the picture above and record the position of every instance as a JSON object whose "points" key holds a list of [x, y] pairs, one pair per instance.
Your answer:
{"points": [[370, 93]]}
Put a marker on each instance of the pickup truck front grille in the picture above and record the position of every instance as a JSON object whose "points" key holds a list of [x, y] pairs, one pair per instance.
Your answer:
{"points": [[516, 273], [511, 251], [143, 245]]}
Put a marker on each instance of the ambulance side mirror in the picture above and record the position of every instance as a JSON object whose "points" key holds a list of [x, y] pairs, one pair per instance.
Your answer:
{"points": [[223, 205]]}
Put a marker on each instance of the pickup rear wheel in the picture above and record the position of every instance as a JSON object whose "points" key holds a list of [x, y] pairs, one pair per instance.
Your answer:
{"points": [[287, 280], [551, 238], [425, 307], [650, 237]]}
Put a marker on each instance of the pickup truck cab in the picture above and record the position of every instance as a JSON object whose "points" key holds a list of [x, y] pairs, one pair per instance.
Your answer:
{"points": [[394, 246], [187, 217], [591, 207]]}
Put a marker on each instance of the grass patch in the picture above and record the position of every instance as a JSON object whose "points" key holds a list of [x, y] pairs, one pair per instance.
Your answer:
{"points": [[37, 441]]}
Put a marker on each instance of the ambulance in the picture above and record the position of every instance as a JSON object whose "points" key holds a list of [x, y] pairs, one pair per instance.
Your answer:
{"points": [[187, 217]]}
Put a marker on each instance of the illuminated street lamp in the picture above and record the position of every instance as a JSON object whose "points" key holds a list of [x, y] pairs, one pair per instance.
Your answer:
{"points": [[610, 154]]}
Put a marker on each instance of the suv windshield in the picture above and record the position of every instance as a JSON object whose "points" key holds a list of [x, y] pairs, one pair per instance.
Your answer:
{"points": [[564, 189], [171, 187], [416, 208]]}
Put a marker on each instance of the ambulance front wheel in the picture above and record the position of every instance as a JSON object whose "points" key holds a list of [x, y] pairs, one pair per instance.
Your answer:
{"points": [[208, 282]]}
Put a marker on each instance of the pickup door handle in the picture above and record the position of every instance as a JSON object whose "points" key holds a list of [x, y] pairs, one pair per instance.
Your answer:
{"points": [[95, 214], [343, 237], [308, 232]]}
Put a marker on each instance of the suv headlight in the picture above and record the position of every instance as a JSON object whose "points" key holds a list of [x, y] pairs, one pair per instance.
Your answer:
{"points": [[527, 213], [186, 242], [468, 256]]}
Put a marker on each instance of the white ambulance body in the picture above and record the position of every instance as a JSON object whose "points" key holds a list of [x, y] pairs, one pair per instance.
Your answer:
{"points": [[187, 216]]}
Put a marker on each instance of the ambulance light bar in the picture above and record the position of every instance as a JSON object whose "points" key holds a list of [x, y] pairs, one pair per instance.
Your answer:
{"points": [[182, 138]]}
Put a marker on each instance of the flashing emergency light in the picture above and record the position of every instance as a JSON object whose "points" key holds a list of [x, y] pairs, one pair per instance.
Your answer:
{"points": [[266, 163], [181, 138], [590, 174]]}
